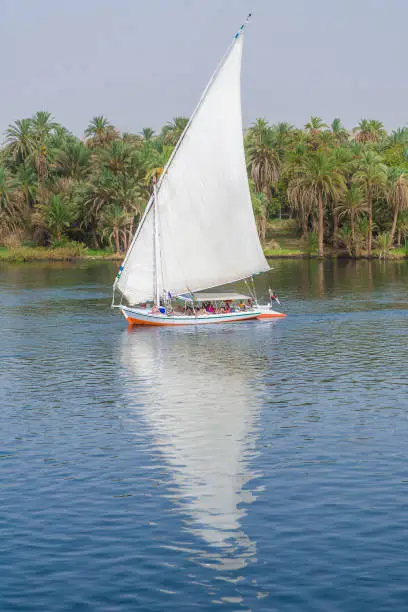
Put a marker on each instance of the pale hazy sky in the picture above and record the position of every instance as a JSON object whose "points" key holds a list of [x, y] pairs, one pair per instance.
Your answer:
{"points": [[142, 62]]}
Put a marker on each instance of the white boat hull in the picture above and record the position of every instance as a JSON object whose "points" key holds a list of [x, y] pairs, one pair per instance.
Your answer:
{"points": [[144, 316], [266, 312]]}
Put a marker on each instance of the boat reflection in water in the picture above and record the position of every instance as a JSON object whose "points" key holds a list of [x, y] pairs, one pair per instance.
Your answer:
{"points": [[200, 404]]}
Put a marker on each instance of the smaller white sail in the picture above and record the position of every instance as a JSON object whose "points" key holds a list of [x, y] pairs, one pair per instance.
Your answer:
{"points": [[207, 230], [137, 274]]}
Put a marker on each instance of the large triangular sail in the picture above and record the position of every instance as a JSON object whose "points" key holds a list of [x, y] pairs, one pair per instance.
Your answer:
{"points": [[207, 231]]}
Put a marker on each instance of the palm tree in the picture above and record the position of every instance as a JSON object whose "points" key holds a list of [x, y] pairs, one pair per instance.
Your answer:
{"points": [[113, 224], [134, 139], [384, 244], [362, 231], [324, 140], [7, 197], [317, 182], [371, 176], [263, 156], [42, 128], [315, 124], [57, 214], [369, 130], [147, 133], [397, 195], [402, 227], [293, 161], [60, 135], [363, 131], [260, 208], [100, 132], [41, 157], [92, 197], [118, 157], [399, 136], [25, 183], [73, 160], [344, 157], [340, 162], [173, 130], [352, 205], [130, 196], [156, 163], [316, 137], [284, 133], [42, 125], [20, 139], [345, 237], [339, 132], [357, 149]]}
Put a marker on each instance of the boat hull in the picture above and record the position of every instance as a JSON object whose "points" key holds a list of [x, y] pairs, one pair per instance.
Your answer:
{"points": [[267, 313], [142, 316]]}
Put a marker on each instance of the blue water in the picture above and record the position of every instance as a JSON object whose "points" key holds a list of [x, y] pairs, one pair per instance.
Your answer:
{"points": [[257, 466]]}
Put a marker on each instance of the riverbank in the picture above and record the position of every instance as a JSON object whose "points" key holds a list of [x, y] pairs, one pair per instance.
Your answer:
{"points": [[24, 254], [32, 254], [395, 254], [283, 241]]}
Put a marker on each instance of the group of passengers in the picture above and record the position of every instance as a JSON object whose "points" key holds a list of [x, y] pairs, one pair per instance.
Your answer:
{"points": [[205, 308], [225, 307]]}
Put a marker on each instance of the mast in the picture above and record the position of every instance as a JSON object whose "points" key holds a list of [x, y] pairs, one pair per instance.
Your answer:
{"points": [[156, 244]]}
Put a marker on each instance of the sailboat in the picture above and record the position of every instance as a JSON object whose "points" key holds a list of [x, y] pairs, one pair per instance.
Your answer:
{"points": [[198, 232]]}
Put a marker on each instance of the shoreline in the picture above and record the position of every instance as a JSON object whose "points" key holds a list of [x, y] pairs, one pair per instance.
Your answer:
{"points": [[70, 254], [44, 254]]}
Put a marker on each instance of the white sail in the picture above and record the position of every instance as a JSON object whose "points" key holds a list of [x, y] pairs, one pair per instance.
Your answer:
{"points": [[207, 229], [137, 280]]}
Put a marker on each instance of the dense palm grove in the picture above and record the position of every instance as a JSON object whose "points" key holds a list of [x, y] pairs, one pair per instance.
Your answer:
{"points": [[56, 188], [346, 190]]}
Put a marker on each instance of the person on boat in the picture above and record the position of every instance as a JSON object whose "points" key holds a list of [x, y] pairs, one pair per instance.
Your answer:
{"points": [[155, 309], [241, 305], [273, 297], [210, 308]]}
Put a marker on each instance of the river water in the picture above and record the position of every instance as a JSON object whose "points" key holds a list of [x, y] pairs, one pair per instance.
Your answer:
{"points": [[256, 466]]}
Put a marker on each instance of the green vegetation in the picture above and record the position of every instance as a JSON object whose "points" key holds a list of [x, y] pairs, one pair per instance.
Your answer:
{"points": [[316, 191], [64, 253], [345, 191], [284, 252]]}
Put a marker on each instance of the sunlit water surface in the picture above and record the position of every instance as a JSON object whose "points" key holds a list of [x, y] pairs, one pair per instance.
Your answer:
{"points": [[256, 466]]}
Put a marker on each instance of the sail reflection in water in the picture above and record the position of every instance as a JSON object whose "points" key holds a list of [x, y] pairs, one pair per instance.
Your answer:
{"points": [[200, 405]]}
